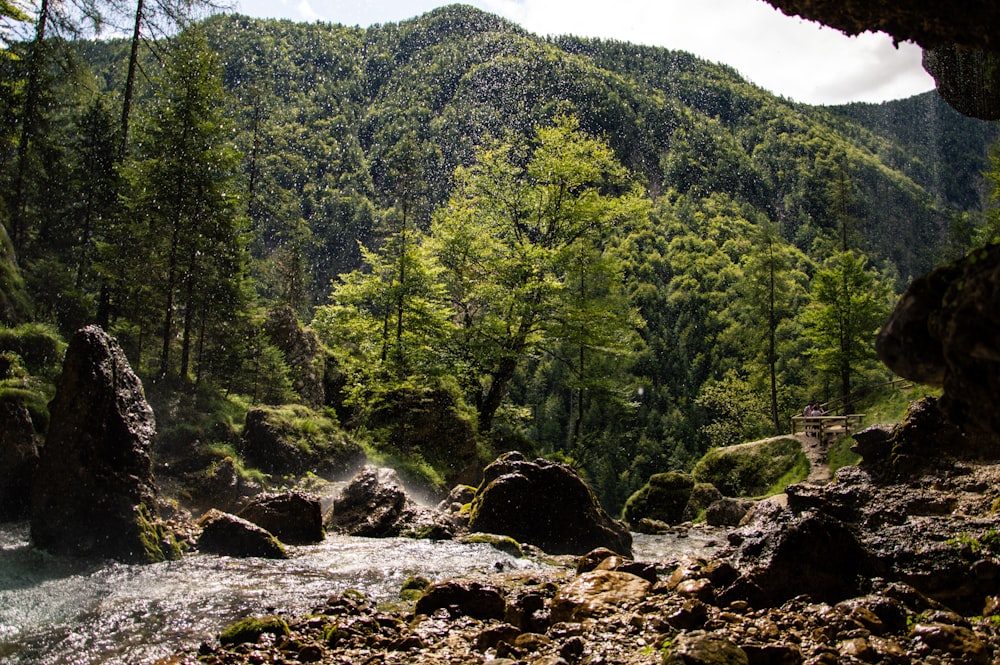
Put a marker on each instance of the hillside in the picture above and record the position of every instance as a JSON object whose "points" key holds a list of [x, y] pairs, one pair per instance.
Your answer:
{"points": [[328, 173], [345, 96]]}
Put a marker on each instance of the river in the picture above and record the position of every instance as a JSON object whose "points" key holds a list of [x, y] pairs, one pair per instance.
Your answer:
{"points": [[61, 611]]}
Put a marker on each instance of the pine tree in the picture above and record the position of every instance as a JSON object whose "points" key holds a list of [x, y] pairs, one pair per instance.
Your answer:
{"points": [[849, 303], [185, 190]]}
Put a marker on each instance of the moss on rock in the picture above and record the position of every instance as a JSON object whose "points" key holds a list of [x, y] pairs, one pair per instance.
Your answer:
{"points": [[250, 629]]}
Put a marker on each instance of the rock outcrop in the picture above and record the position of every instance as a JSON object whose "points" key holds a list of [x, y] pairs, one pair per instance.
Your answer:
{"points": [[545, 504], [294, 439], [943, 333], [295, 518], [302, 351], [93, 492], [430, 421], [375, 505]]}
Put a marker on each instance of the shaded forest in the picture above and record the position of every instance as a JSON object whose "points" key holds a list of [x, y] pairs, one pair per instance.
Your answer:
{"points": [[614, 255]]}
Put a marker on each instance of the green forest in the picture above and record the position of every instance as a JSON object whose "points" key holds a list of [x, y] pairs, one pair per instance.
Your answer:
{"points": [[447, 238]]}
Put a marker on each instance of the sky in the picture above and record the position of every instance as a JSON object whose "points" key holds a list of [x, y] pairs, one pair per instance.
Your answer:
{"points": [[788, 56]]}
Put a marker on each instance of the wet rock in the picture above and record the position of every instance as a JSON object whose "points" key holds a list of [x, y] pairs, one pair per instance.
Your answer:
{"points": [[943, 332], [727, 511], [463, 598], [772, 654], [94, 493], [18, 460], [229, 535], [374, 504], [811, 554], [295, 440], [545, 504], [956, 641], [597, 593], [698, 648], [663, 498], [295, 518]]}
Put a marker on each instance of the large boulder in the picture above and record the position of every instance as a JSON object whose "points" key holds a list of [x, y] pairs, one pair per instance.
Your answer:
{"points": [[294, 439], [229, 535], [93, 492], [663, 498], [374, 504], [293, 517], [597, 593], [18, 459], [429, 420], [546, 504], [943, 333], [786, 554]]}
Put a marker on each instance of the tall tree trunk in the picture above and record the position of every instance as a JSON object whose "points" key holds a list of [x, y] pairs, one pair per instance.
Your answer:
{"points": [[189, 310], [168, 310], [772, 326], [133, 64]]}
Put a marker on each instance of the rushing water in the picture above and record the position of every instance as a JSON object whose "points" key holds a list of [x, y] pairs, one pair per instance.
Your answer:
{"points": [[55, 610]]}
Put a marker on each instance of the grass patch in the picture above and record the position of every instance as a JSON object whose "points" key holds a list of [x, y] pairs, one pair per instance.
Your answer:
{"points": [[840, 454], [798, 472], [753, 470]]}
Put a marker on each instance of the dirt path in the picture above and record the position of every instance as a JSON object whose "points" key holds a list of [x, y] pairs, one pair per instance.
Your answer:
{"points": [[819, 466]]}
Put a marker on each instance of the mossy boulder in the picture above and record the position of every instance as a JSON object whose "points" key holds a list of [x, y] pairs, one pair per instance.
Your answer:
{"points": [[663, 498], [702, 496], [427, 424], [752, 469], [546, 504], [295, 439]]}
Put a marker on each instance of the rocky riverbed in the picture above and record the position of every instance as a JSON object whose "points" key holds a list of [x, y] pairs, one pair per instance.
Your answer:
{"points": [[895, 561]]}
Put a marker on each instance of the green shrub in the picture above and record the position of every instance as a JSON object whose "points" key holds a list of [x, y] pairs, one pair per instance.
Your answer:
{"points": [[39, 346], [840, 454]]}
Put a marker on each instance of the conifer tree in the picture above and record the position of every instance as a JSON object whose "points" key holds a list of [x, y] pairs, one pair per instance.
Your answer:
{"points": [[185, 192]]}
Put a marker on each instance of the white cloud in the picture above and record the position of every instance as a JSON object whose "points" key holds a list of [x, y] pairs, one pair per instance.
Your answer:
{"points": [[788, 56]]}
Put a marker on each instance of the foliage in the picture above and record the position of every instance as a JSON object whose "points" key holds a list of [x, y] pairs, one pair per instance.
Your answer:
{"points": [[184, 200], [850, 302], [839, 454], [750, 470], [523, 224], [39, 346], [462, 201]]}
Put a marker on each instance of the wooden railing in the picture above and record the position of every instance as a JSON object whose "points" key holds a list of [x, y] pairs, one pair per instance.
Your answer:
{"points": [[826, 427]]}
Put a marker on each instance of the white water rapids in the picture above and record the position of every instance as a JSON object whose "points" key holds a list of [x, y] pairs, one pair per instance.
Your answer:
{"points": [[55, 610]]}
